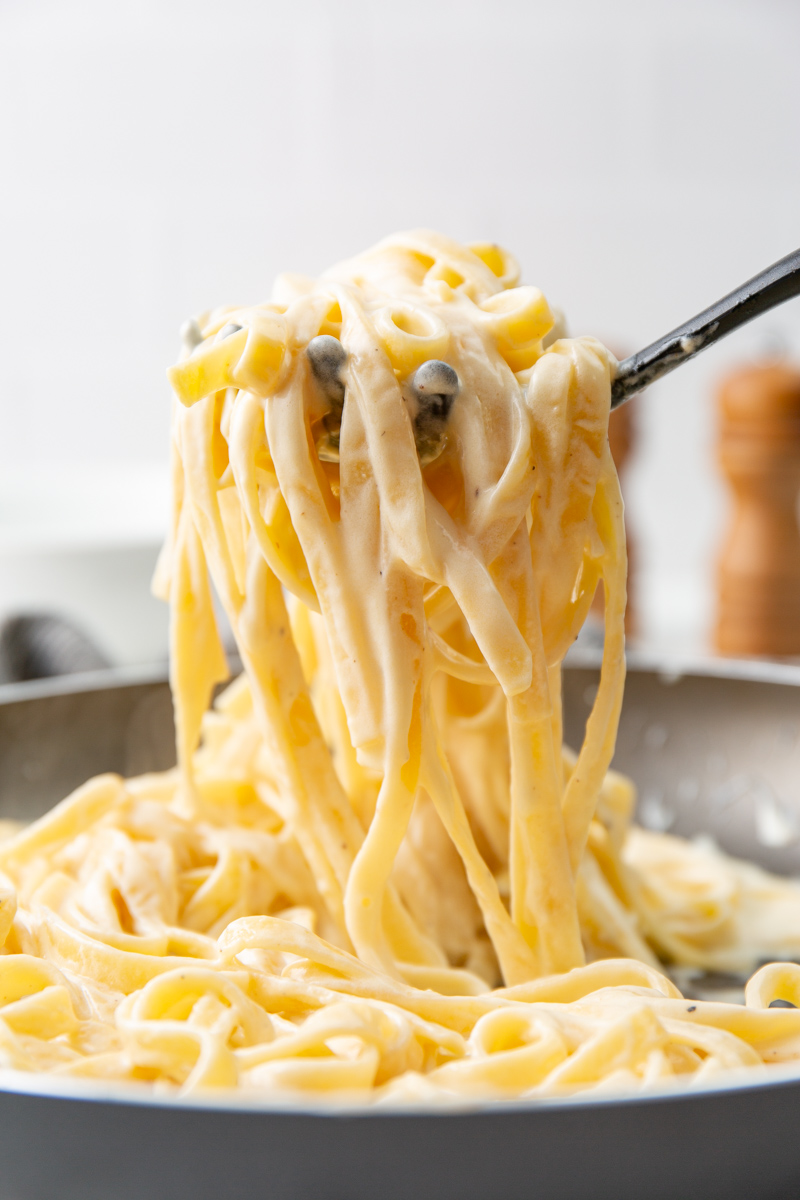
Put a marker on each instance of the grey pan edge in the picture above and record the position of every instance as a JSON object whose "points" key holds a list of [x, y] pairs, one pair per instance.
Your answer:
{"points": [[86, 681], [73, 1140], [720, 1143], [759, 670]]}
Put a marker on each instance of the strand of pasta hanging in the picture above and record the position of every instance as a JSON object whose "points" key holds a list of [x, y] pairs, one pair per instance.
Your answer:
{"points": [[376, 871], [372, 442]]}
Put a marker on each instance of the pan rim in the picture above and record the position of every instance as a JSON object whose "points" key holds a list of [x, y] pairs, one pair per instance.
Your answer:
{"points": [[736, 1082], [671, 668]]}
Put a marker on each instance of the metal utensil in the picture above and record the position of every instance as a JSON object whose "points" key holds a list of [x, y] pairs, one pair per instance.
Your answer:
{"points": [[779, 282]]}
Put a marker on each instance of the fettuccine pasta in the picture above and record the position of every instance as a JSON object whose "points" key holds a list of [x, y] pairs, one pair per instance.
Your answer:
{"points": [[376, 871]]}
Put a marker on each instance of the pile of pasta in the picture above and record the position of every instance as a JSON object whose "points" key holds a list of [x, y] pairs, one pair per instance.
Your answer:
{"points": [[375, 871]]}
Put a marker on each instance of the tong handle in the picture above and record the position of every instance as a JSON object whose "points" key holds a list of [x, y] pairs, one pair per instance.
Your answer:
{"points": [[779, 282]]}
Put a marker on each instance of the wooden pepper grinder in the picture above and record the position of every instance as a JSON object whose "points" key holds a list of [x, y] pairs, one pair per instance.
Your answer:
{"points": [[621, 433], [758, 576]]}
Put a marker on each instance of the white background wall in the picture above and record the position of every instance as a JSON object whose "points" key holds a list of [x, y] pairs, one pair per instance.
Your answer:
{"points": [[158, 157]]}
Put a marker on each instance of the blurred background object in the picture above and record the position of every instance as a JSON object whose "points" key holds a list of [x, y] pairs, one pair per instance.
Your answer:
{"points": [[38, 646], [758, 602], [160, 157], [79, 534]]}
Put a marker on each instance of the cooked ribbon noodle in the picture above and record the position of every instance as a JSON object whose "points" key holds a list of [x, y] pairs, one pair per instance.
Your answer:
{"points": [[375, 870]]}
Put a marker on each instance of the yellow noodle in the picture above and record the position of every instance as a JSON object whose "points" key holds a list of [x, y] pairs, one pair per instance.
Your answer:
{"points": [[376, 871]]}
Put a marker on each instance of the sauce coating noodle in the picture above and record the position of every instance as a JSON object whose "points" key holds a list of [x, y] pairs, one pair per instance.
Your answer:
{"points": [[375, 870]]}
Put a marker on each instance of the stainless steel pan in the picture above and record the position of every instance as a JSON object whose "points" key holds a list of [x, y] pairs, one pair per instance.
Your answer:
{"points": [[712, 747]]}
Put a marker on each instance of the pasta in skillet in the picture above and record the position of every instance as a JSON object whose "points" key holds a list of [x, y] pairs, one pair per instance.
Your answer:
{"points": [[375, 870]]}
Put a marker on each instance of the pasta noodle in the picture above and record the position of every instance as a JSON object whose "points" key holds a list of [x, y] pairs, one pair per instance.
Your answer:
{"points": [[375, 871]]}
